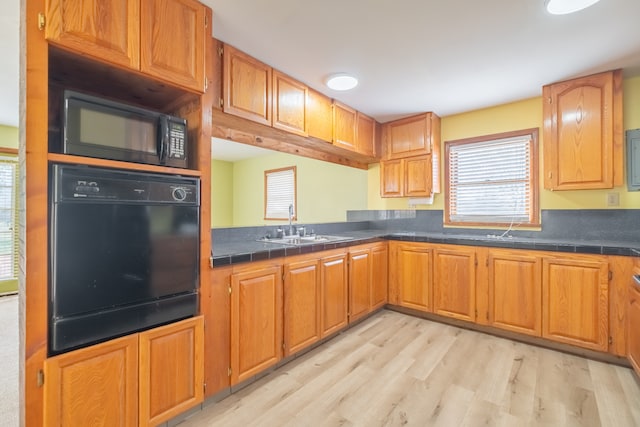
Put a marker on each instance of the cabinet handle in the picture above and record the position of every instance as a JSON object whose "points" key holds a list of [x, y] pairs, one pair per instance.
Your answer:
{"points": [[636, 279]]}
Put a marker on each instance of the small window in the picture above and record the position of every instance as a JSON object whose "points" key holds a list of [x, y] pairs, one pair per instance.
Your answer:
{"points": [[8, 221], [493, 180], [280, 193]]}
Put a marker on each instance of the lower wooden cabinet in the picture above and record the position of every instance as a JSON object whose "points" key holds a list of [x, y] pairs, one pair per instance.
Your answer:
{"points": [[515, 291], [140, 379], [256, 320], [301, 305], [633, 321], [410, 274], [334, 294], [379, 275], [575, 301], [359, 283], [216, 308], [454, 283], [171, 370]]}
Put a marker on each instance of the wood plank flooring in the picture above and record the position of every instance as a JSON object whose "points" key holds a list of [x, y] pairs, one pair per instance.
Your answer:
{"points": [[394, 370]]}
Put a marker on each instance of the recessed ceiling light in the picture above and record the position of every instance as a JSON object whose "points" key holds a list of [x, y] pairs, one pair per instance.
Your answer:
{"points": [[563, 7], [342, 81]]}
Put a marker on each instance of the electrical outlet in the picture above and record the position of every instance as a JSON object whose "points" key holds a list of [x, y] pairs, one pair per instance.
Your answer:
{"points": [[613, 199]]}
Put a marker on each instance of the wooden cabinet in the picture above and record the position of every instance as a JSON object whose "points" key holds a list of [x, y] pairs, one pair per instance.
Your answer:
{"points": [[216, 308], [344, 126], [140, 379], [410, 274], [97, 385], [575, 302], [365, 135], [334, 293], [412, 136], [289, 104], [256, 320], [359, 283], [379, 275], [319, 116], [301, 304], [171, 370], [410, 177], [454, 282], [633, 321], [246, 86], [515, 291], [583, 133], [162, 38], [172, 45]]}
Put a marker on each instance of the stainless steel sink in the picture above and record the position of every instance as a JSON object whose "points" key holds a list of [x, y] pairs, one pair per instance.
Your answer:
{"points": [[305, 240]]}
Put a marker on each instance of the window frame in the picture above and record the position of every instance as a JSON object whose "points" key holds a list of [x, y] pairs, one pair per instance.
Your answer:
{"points": [[10, 285], [295, 193], [533, 181]]}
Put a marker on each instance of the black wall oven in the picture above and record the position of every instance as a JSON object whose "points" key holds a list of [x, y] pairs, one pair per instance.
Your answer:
{"points": [[124, 253]]}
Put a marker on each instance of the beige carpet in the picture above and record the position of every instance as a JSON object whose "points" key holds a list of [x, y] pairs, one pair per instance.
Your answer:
{"points": [[9, 402]]}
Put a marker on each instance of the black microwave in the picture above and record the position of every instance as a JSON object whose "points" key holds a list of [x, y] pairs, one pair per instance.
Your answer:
{"points": [[96, 127]]}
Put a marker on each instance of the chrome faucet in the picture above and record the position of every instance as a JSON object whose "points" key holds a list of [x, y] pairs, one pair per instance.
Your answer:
{"points": [[290, 218]]}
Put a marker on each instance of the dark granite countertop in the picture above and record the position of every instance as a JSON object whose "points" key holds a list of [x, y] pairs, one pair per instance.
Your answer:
{"points": [[233, 252]]}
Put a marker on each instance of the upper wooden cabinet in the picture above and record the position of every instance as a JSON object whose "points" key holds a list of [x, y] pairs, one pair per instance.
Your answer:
{"points": [[365, 135], [173, 41], [344, 126], [319, 116], [289, 104], [575, 300], [412, 136], [246, 86], [410, 177], [583, 133], [162, 38]]}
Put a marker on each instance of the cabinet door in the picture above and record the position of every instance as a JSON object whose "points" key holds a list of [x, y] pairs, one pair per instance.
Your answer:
{"points": [[412, 277], [359, 283], [379, 275], [289, 104], [320, 116], [409, 137], [583, 132], [256, 321], [334, 293], [108, 30], [344, 126], [97, 385], [391, 178], [246, 86], [365, 134], [454, 283], [216, 308], [171, 370], [417, 176], [172, 41], [633, 339], [575, 303], [515, 292], [301, 305]]}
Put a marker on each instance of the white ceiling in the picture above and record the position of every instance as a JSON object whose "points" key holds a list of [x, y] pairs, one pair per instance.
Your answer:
{"points": [[446, 56]]}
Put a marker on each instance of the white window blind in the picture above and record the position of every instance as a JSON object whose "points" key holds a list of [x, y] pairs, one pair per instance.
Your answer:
{"points": [[280, 193], [8, 218], [490, 181]]}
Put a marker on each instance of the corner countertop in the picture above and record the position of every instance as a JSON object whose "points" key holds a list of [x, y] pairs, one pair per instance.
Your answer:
{"points": [[234, 252]]}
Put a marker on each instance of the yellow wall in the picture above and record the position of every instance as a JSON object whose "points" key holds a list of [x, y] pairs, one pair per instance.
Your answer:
{"points": [[521, 115], [325, 190], [8, 137], [221, 193]]}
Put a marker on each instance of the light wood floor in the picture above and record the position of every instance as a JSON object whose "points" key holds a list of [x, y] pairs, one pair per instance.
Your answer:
{"points": [[395, 369]]}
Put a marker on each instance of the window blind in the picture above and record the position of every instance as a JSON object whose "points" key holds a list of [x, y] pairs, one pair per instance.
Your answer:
{"points": [[280, 193], [490, 181], [8, 219]]}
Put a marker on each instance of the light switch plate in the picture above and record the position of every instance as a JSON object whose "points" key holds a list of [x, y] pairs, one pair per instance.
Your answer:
{"points": [[613, 199]]}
